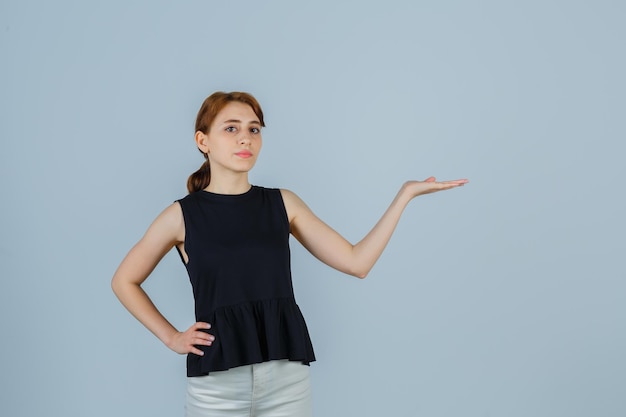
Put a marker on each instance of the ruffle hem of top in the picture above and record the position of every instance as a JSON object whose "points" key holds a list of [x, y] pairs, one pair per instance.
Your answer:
{"points": [[254, 332]]}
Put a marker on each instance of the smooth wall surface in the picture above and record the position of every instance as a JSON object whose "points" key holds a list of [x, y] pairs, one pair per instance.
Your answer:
{"points": [[502, 298]]}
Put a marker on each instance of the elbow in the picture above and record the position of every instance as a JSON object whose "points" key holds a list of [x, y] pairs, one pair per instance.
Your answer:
{"points": [[118, 286], [115, 286], [359, 273]]}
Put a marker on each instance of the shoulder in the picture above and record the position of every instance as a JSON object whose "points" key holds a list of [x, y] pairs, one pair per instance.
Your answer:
{"points": [[190, 204], [293, 204], [169, 223], [173, 211], [172, 215], [280, 193], [289, 197], [188, 198]]}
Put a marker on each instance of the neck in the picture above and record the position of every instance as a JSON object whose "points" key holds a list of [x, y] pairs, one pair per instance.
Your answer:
{"points": [[238, 184]]}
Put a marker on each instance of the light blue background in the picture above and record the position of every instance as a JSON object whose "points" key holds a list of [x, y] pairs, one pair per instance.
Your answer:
{"points": [[502, 298]]}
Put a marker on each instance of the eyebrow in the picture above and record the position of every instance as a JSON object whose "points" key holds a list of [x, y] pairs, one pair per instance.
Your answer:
{"points": [[239, 121]]}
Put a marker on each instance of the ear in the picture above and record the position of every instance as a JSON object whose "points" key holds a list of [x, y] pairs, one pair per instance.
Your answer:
{"points": [[202, 141]]}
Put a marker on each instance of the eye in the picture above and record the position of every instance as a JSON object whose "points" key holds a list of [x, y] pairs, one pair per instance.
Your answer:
{"points": [[255, 130], [231, 129]]}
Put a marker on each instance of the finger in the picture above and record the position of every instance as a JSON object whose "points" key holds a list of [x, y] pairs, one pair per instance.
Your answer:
{"points": [[196, 351], [454, 182], [430, 179], [202, 342], [440, 186], [201, 325], [204, 336]]}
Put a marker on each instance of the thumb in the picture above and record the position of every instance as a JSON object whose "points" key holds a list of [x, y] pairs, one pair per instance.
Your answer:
{"points": [[430, 179]]}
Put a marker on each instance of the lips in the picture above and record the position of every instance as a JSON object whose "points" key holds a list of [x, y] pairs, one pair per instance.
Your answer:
{"points": [[244, 154]]}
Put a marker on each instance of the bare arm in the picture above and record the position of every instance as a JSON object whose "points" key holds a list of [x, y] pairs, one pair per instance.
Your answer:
{"points": [[332, 249], [166, 231]]}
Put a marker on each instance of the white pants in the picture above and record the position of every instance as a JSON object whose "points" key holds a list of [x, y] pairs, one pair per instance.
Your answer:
{"points": [[270, 389]]}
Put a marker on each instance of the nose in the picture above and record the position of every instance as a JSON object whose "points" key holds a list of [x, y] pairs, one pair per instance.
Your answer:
{"points": [[244, 138]]}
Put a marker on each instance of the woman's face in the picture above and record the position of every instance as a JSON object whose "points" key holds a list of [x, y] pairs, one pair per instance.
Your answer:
{"points": [[234, 139]]}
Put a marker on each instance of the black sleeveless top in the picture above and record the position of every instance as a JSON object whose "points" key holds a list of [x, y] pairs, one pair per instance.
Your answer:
{"points": [[239, 268]]}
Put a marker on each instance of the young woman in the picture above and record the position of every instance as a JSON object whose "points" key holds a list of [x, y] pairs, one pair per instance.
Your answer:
{"points": [[248, 352]]}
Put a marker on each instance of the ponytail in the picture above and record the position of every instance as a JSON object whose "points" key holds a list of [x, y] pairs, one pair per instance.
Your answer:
{"points": [[200, 179]]}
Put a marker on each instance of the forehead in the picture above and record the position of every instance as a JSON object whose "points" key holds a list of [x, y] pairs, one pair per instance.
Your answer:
{"points": [[236, 110]]}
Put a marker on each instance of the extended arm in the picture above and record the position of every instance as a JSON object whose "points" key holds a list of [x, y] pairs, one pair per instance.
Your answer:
{"points": [[165, 232], [332, 249]]}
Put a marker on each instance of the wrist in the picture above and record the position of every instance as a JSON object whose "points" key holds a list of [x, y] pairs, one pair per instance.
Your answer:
{"points": [[404, 194], [168, 339]]}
